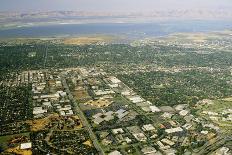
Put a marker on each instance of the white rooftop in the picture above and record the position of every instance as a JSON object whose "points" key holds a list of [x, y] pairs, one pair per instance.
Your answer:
{"points": [[25, 145], [115, 153], [155, 109], [148, 127], [149, 150], [173, 130], [114, 80], [47, 104], [183, 112], [38, 110], [116, 131], [180, 107], [136, 99], [121, 113]]}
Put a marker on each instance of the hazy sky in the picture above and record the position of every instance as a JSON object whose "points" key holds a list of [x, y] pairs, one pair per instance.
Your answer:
{"points": [[111, 5]]}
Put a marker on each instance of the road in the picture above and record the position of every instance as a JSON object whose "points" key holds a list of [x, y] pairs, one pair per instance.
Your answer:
{"points": [[209, 148], [45, 58], [83, 119]]}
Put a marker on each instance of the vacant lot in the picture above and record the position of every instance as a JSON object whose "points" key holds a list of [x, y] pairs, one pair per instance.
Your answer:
{"points": [[86, 40], [81, 95], [4, 140], [18, 151], [40, 124]]}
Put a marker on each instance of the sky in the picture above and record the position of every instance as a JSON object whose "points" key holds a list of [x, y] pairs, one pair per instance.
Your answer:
{"points": [[111, 5]]}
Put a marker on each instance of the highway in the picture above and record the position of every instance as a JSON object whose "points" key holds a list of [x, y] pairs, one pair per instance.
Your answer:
{"points": [[83, 119], [209, 148]]}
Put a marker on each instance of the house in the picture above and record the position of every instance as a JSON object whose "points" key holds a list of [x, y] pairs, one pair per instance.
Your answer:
{"points": [[154, 136], [169, 151], [52, 96], [183, 112], [69, 112], [117, 131], [115, 153], [113, 85], [212, 126], [39, 110], [162, 146], [97, 115], [205, 102], [166, 109], [108, 116], [223, 151], [185, 142], [210, 113], [175, 138], [119, 138], [47, 104], [154, 109], [103, 92], [140, 137], [126, 93], [167, 115], [142, 104], [121, 113], [187, 126], [180, 107], [188, 118], [149, 150], [62, 113], [128, 140], [172, 123], [174, 130], [58, 83], [148, 127], [98, 120], [135, 99], [114, 80], [100, 117], [204, 132], [167, 141], [146, 108]]}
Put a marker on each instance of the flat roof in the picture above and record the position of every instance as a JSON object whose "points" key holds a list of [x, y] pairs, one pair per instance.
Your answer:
{"points": [[25, 145]]}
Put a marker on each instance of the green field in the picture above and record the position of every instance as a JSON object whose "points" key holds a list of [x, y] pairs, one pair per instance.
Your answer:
{"points": [[219, 106]]}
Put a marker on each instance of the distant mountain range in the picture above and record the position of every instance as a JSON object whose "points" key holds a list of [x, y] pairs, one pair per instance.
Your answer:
{"points": [[12, 19], [198, 14]]}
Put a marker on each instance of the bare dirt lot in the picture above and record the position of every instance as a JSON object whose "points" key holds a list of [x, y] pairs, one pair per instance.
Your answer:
{"points": [[87, 40]]}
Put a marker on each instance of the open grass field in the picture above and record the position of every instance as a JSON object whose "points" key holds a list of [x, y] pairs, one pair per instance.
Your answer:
{"points": [[218, 106], [227, 99]]}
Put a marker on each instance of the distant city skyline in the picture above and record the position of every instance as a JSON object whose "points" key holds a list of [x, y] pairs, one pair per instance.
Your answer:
{"points": [[112, 5]]}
